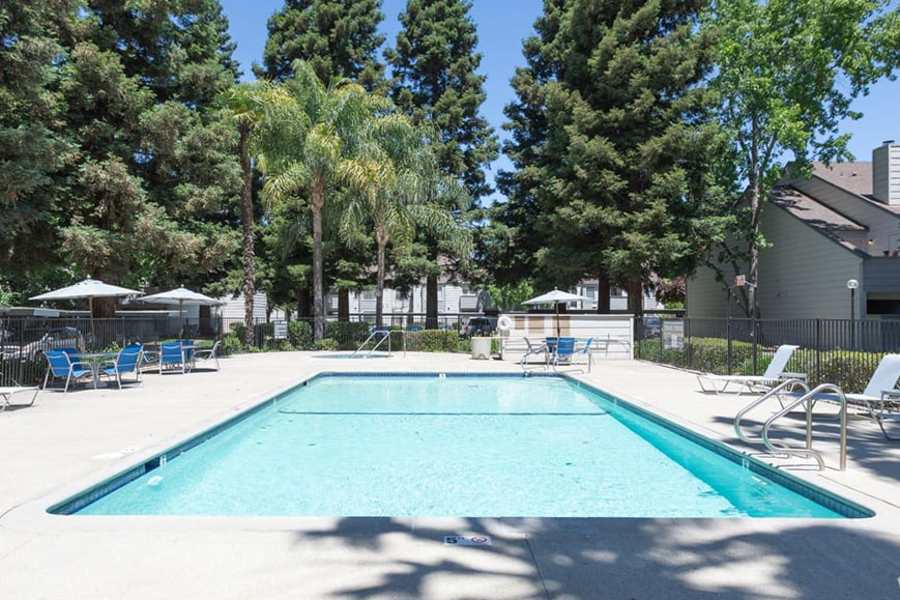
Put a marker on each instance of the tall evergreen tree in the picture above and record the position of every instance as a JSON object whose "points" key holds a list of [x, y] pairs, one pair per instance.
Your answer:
{"points": [[623, 179], [435, 65], [34, 152], [145, 180], [339, 38]]}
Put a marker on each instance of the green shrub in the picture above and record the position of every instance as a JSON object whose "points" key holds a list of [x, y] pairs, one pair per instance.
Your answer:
{"points": [[232, 344], [300, 335], [326, 345], [433, 340], [239, 330], [347, 335]]}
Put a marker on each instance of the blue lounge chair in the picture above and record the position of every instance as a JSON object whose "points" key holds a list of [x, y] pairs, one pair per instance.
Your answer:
{"points": [[127, 361], [568, 349], [172, 357], [60, 365]]}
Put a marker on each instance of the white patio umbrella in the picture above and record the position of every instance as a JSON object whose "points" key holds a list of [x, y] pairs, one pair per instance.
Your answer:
{"points": [[90, 289], [556, 297], [182, 296]]}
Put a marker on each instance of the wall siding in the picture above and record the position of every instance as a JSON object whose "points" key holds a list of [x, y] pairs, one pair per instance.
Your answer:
{"points": [[803, 274]]}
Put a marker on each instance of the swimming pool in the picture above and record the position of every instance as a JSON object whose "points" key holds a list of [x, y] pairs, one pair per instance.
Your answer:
{"points": [[429, 445]]}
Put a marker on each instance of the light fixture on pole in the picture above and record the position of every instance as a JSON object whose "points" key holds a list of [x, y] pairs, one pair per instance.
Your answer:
{"points": [[852, 284]]}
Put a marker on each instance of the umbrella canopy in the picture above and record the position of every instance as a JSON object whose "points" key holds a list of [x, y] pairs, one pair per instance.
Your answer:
{"points": [[89, 288], [180, 295], [556, 297]]}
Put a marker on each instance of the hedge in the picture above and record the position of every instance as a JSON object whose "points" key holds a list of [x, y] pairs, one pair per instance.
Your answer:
{"points": [[849, 369]]}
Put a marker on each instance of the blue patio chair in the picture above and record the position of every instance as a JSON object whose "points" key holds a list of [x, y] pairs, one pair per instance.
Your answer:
{"points": [[568, 349], [188, 347], [127, 361], [171, 357], [61, 366]]}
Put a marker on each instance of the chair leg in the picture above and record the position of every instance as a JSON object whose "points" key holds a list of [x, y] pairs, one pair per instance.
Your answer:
{"points": [[68, 379], [46, 377]]}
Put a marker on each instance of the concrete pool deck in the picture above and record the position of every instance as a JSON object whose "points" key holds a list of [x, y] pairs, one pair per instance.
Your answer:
{"points": [[67, 442]]}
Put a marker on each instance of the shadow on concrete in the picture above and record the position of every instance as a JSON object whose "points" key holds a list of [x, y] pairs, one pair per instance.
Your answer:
{"points": [[623, 559]]}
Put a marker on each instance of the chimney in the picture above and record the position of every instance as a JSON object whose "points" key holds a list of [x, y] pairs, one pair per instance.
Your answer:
{"points": [[886, 173]]}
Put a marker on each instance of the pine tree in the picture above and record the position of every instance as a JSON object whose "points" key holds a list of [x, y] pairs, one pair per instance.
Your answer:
{"points": [[621, 186], [34, 152], [146, 180], [339, 38], [436, 82]]}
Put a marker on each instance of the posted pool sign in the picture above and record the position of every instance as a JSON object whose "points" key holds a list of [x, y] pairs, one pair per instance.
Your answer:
{"points": [[467, 540]]}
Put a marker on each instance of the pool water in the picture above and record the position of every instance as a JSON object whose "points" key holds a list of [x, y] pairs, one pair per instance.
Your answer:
{"points": [[452, 446]]}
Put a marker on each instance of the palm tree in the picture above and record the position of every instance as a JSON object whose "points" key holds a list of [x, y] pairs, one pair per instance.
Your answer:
{"points": [[243, 104], [395, 178], [308, 131]]}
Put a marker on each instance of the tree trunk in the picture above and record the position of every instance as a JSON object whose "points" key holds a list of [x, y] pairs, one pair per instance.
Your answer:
{"points": [[635, 297], [602, 294], [304, 303], [381, 240], [247, 229], [318, 202], [344, 305], [754, 176], [431, 302]]}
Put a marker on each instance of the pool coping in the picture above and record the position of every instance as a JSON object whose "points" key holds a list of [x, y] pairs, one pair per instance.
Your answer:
{"points": [[35, 514]]}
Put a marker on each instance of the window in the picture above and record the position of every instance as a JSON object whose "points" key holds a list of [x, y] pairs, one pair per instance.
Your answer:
{"points": [[590, 292], [368, 294]]}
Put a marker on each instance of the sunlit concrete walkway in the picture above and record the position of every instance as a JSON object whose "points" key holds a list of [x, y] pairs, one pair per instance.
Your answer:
{"points": [[66, 442]]}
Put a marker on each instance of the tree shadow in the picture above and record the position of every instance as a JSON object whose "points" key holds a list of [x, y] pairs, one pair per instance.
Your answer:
{"points": [[585, 558]]}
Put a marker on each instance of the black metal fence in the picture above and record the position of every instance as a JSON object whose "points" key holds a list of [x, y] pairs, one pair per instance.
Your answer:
{"points": [[841, 351], [24, 339]]}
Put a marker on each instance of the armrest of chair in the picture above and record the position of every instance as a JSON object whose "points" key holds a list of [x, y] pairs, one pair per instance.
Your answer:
{"points": [[82, 365], [786, 376], [890, 395]]}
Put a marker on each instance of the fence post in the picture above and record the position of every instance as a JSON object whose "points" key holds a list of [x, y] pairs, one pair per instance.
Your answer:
{"points": [[728, 345], [660, 341], [755, 334], [818, 349]]}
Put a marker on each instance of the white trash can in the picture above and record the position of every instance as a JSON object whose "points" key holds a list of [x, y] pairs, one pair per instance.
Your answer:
{"points": [[481, 348]]}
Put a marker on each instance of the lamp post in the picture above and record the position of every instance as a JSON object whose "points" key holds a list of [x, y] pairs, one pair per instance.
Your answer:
{"points": [[852, 284]]}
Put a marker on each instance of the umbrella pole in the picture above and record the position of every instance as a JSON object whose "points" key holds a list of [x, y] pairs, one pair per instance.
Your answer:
{"points": [[181, 318], [91, 308], [557, 322]]}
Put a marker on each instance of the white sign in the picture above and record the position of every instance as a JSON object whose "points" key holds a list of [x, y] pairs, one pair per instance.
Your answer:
{"points": [[280, 330], [467, 540], [673, 334]]}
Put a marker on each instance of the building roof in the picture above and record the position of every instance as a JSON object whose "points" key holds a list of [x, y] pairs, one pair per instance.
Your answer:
{"points": [[812, 212], [855, 177]]}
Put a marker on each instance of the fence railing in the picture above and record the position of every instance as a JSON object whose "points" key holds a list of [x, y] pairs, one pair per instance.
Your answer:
{"points": [[841, 351], [24, 339]]}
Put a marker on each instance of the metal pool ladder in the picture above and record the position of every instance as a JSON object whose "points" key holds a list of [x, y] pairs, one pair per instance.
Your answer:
{"points": [[808, 399], [385, 335]]}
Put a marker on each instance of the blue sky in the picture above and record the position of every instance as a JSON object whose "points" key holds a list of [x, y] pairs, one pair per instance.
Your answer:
{"points": [[502, 25]]}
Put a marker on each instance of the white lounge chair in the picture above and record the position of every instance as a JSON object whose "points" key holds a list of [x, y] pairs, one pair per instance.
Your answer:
{"points": [[773, 375], [880, 395], [7, 392], [209, 354]]}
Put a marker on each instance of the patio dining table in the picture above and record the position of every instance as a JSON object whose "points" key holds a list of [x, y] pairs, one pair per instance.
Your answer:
{"points": [[95, 360]]}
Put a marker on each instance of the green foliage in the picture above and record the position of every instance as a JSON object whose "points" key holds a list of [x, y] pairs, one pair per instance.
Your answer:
{"points": [[326, 345], [435, 81], [613, 143], [850, 370], [787, 72], [510, 295], [300, 335], [349, 335], [232, 343], [433, 340], [338, 38], [119, 163]]}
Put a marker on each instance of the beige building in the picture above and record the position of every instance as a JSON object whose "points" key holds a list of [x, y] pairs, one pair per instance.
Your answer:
{"points": [[840, 224]]}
